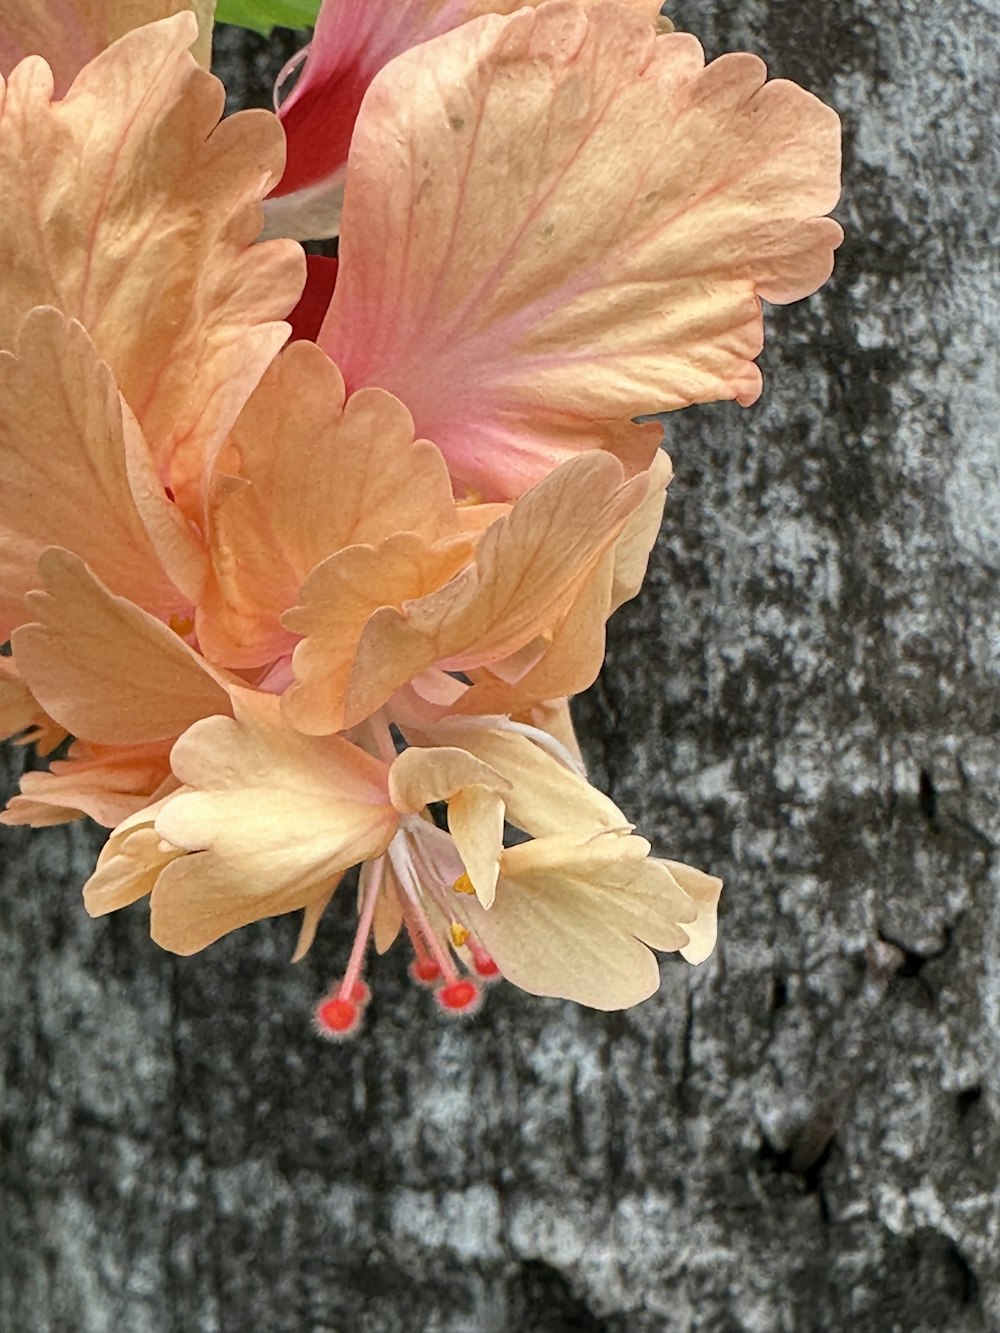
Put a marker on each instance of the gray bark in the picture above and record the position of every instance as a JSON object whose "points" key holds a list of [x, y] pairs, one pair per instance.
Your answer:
{"points": [[800, 1135]]}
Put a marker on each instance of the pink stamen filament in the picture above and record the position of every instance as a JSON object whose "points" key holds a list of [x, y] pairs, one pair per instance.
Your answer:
{"points": [[370, 891], [407, 881]]}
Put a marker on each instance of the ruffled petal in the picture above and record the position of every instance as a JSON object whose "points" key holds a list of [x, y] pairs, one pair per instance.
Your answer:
{"points": [[106, 670], [352, 41], [475, 794], [69, 34], [129, 864], [546, 797], [578, 921], [65, 442], [129, 207], [704, 891], [528, 569], [107, 783], [313, 480], [21, 715], [338, 600], [557, 221], [271, 817]]}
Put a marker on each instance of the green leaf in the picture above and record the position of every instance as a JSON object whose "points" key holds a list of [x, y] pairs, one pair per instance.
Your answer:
{"points": [[263, 15]]}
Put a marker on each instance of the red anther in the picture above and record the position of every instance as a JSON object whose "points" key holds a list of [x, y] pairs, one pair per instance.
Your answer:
{"points": [[336, 1017], [425, 971], [458, 996], [486, 967], [360, 993]]}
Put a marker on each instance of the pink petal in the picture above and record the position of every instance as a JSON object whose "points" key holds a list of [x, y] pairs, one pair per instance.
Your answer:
{"points": [[554, 222], [353, 40]]}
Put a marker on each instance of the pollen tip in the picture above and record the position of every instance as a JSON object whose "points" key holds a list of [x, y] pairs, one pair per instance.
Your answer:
{"points": [[487, 968], [459, 997], [464, 884], [425, 971], [337, 1018], [361, 993]]}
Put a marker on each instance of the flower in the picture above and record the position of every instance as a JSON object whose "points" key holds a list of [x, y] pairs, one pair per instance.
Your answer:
{"points": [[267, 820], [323, 606]]}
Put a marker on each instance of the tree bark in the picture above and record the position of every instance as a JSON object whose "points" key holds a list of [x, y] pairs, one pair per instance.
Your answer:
{"points": [[800, 1135]]}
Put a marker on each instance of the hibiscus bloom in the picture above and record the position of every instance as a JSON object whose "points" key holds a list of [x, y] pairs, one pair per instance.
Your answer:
{"points": [[301, 609], [267, 820]]}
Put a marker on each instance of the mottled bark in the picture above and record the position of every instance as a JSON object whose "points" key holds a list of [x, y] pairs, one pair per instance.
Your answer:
{"points": [[800, 1135]]}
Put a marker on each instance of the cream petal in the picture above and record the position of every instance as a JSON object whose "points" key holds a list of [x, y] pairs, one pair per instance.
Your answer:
{"points": [[271, 817], [704, 891]]}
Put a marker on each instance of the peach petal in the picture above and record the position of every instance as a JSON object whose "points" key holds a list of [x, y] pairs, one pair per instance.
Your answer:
{"points": [[312, 914], [476, 823], [22, 716], [129, 864], [352, 41], [528, 569], [704, 891], [574, 653], [108, 784], [419, 777], [150, 210], [328, 475], [591, 216], [65, 442], [69, 34], [578, 920], [338, 600], [545, 797], [105, 669]]}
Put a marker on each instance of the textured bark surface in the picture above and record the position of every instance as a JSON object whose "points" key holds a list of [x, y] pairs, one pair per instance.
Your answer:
{"points": [[800, 1135]]}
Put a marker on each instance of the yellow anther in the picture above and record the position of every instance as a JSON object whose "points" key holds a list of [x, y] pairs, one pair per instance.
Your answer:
{"points": [[182, 625], [469, 499], [463, 884], [458, 934]]}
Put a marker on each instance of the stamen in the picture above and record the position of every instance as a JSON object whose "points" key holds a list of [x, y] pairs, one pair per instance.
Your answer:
{"points": [[423, 970], [464, 884], [338, 1015], [485, 967], [407, 882], [458, 934], [459, 997], [336, 1019]]}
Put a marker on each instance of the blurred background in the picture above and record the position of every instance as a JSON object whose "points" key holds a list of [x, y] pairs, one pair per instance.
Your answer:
{"points": [[800, 1135]]}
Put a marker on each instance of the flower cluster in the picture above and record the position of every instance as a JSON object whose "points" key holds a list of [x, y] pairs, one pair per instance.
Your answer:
{"points": [[307, 558]]}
